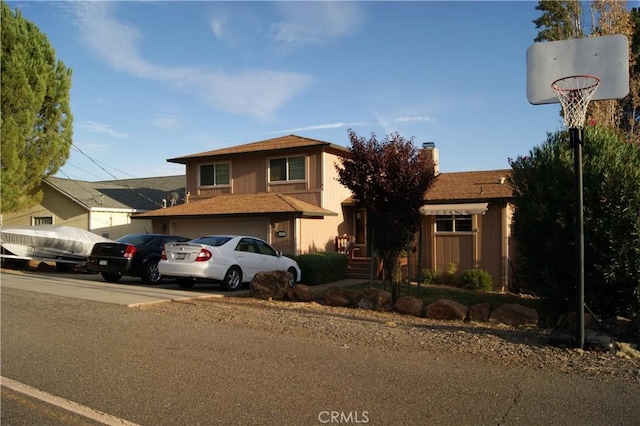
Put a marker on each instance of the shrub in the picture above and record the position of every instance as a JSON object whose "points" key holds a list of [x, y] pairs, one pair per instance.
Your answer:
{"points": [[477, 279], [322, 267], [429, 276], [450, 276]]}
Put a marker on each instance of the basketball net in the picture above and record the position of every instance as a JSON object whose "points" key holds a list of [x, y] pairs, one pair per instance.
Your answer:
{"points": [[575, 93]]}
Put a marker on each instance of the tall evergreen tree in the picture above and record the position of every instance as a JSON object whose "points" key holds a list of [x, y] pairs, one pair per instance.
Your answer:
{"points": [[36, 121], [389, 179], [560, 20]]}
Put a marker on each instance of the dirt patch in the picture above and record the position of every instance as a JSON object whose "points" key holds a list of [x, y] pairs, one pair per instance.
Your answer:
{"points": [[389, 331]]}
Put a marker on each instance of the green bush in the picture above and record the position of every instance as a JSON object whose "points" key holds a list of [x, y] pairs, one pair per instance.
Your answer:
{"points": [[477, 279], [429, 276], [322, 267]]}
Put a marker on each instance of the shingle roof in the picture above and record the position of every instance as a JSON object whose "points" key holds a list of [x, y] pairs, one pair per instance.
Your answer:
{"points": [[467, 186], [139, 194], [284, 142], [476, 185], [241, 204]]}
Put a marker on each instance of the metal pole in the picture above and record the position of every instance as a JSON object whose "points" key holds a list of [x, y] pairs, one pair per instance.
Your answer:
{"points": [[576, 137]]}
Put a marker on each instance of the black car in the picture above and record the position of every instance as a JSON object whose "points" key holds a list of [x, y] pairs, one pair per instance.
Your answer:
{"points": [[134, 255]]}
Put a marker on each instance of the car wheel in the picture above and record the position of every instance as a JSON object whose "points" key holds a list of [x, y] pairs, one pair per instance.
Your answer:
{"points": [[111, 277], [185, 282], [151, 275], [232, 279], [294, 277]]}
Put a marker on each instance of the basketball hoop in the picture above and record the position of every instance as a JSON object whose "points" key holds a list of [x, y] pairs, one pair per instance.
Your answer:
{"points": [[574, 93]]}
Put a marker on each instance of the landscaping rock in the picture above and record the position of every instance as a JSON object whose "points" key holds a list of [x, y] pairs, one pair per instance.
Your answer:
{"points": [[409, 306], [270, 285], [300, 293], [514, 315], [374, 299], [337, 296], [446, 309], [616, 326], [480, 312]]}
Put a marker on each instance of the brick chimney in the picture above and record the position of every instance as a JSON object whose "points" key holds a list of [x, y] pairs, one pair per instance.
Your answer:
{"points": [[431, 149]]}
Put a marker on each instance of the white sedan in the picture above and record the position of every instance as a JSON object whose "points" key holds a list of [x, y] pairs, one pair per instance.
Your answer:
{"points": [[230, 259]]}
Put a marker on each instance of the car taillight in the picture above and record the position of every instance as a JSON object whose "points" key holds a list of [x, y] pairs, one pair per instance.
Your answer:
{"points": [[129, 252], [163, 255], [203, 256]]}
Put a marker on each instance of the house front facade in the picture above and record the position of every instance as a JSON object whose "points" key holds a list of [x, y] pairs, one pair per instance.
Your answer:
{"points": [[283, 190], [286, 191]]}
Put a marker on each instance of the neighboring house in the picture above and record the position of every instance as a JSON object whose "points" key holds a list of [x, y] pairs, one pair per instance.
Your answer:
{"points": [[286, 191], [104, 208]]}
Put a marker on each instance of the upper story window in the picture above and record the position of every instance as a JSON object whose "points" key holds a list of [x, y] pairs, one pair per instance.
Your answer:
{"points": [[287, 168], [453, 223], [217, 174]]}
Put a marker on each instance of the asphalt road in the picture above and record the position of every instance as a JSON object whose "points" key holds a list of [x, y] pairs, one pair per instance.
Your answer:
{"points": [[152, 369]]}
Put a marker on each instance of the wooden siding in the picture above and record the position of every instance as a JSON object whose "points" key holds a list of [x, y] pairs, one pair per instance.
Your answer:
{"points": [[452, 248], [68, 212], [249, 175], [492, 249], [319, 234], [486, 248]]}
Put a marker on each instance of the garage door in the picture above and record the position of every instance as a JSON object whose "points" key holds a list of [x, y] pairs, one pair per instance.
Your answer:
{"points": [[192, 228]]}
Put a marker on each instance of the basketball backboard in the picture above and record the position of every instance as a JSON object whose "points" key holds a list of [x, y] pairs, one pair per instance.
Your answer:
{"points": [[606, 57]]}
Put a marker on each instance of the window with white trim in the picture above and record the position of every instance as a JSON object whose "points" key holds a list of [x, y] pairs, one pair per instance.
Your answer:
{"points": [[287, 168], [454, 223], [217, 174], [41, 220]]}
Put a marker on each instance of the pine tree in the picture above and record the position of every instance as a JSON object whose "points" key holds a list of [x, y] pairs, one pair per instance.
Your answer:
{"points": [[36, 121]]}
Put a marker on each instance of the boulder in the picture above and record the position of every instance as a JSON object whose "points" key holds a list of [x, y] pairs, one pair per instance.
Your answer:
{"points": [[446, 309], [514, 315], [616, 326], [337, 296], [409, 305], [374, 299], [300, 293], [270, 285], [480, 312]]}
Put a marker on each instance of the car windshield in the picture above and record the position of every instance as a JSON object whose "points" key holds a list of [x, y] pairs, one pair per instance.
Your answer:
{"points": [[214, 240], [136, 239]]}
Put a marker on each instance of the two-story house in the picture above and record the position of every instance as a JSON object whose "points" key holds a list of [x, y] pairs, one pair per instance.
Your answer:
{"points": [[285, 190]]}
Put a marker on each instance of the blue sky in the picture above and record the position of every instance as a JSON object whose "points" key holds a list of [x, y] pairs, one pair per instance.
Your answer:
{"points": [[154, 80]]}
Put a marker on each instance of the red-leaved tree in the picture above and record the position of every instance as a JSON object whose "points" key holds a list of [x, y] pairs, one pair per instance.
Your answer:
{"points": [[388, 178]]}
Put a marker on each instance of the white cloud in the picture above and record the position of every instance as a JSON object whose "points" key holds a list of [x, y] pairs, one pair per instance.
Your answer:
{"points": [[339, 125], [413, 119], [253, 93], [316, 23], [95, 127], [167, 122]]}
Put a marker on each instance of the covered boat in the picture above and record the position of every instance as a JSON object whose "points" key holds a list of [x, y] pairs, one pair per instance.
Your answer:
{"points": [[48, 242]]}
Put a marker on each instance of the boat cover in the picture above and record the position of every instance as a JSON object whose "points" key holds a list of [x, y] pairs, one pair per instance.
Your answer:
{"points": [[48, 241]]}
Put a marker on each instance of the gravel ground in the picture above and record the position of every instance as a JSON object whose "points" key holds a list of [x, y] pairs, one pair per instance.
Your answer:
{"points": [[388, 331]]}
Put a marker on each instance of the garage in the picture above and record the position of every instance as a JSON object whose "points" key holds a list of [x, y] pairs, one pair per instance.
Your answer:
{"points": [[196, 227]]}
